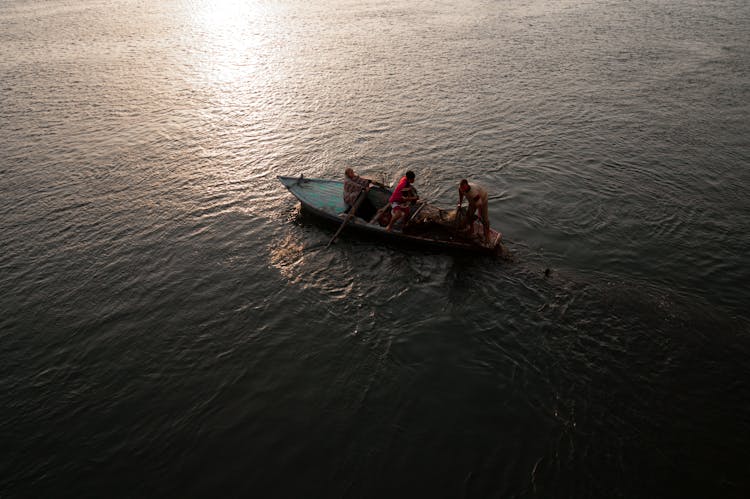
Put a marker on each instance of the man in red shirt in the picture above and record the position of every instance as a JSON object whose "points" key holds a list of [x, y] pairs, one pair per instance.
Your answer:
{"points": [[402, 195]]}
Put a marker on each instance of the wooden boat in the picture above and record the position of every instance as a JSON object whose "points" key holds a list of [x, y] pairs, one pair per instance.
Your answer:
{"points": [[428, 225]]}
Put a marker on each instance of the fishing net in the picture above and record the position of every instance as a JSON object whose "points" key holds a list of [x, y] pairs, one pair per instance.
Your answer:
{"points": [[429, 214], [437, 223]]}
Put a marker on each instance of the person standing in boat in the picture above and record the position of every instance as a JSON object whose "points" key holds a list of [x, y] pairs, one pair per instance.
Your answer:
{"points": [[402, 195], [477, 198]]}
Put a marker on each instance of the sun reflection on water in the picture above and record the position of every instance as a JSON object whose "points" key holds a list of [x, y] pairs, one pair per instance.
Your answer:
{"points": [[287, 257], [229, 39], [225, 14], [228, 64]]}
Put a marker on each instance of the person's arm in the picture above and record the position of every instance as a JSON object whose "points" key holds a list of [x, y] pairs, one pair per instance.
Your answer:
{"points": [[363, 183], [481, 198], [460, 197], [375, 183]]}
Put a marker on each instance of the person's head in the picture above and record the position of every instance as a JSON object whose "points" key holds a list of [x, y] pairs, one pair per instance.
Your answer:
{"points": [[463, 186], [349, 173], [410, 176]]}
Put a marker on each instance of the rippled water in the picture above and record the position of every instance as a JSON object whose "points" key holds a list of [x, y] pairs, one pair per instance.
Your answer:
{"points": [[172, 324]]}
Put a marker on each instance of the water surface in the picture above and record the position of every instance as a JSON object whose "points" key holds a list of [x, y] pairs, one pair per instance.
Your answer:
{"points": [[172, 324]]}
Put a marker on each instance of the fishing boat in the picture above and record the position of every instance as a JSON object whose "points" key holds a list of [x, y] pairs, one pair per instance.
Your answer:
{"points": [[427, 225]]}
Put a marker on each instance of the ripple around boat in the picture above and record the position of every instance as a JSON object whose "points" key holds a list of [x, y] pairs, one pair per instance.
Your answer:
{"points": [[428, 226]]}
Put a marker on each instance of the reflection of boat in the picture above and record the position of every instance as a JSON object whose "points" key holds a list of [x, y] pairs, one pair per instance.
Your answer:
{"points": [[428, 226]]}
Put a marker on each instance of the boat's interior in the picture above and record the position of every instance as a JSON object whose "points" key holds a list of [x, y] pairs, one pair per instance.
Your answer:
{"points": [[376, 199], [425, 220]]}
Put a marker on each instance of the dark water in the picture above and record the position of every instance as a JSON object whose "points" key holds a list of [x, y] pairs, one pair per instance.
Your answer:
{"points": [[172, 325]]}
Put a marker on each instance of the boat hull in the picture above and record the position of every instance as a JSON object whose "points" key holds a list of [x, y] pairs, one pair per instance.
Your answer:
{"points": [[323, 199]]}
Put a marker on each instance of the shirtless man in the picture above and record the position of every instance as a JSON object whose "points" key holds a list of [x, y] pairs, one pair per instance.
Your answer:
{"points": [[477, 198]]}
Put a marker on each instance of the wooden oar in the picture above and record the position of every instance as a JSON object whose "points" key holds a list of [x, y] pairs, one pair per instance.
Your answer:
{"points": [[352, 211], [416, 212]]}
